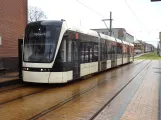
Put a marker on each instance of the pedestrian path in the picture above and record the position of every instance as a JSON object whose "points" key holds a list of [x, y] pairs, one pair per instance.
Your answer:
{"points": [[145, 103]]}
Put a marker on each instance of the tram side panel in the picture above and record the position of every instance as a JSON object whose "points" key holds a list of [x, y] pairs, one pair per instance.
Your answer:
{"points": [[76, 57], [119, 54], [132, 54], [109, 55], [89, 53], [124, 54], [128, 53], [113, 55], [67, 64], [103, 55]]}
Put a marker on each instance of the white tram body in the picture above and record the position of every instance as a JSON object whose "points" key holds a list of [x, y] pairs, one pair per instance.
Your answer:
{"points": [[53, 53]]}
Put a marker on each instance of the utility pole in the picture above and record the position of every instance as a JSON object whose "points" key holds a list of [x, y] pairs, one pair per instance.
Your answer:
{"points": [[110, 23], [110, 30]]}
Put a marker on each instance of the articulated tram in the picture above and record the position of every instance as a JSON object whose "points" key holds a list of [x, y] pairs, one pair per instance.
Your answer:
{"points": [[54, 53]]}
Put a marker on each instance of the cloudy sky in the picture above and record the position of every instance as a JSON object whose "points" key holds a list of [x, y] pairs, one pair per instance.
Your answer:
{"points": [[141, 18]]}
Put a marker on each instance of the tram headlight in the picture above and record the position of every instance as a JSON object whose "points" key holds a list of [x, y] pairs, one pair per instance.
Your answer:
{"points": [[45, 70]]}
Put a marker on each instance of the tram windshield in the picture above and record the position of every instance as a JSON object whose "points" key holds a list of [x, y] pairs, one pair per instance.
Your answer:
{"points": [[40, 43]]}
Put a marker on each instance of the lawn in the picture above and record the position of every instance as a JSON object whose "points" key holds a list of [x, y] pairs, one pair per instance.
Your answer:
{"points": [[150, 56]]}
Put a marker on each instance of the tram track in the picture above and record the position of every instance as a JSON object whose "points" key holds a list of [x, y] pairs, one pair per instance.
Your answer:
{"points": [[82, 93], [44, 89]]}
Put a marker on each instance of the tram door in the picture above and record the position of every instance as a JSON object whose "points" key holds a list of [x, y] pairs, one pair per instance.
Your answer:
{"points": [[76, 64]]}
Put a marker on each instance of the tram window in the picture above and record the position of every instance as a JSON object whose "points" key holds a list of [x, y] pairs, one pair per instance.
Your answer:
{"points": [[101, 52], [126, 51], [69, 50], [91, 56], [119, 50], [95, 57], [82, 52], [90, 52], [105, 51], [75, 51], [63, 51], [108, 50], [86, 52]]}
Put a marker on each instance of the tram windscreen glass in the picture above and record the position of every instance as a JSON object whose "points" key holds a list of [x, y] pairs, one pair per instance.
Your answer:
{"points": [[40, 43]]}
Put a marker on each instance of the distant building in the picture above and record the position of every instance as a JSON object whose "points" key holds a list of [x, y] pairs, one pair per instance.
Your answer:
{"points": [[119, 33], [138, 45], [13, 19], [143, 46]]}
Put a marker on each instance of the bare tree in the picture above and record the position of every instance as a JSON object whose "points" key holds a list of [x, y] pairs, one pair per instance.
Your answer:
{"points": [[35, 14]]}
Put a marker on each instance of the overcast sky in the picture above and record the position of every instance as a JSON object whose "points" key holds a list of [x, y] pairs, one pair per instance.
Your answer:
{"points": [[144, 23]]}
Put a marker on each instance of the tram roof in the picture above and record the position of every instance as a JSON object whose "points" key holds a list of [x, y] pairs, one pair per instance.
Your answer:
{"points": [[106, 37], [126, 43], [118, 40], [131, 44], [87, 32]]}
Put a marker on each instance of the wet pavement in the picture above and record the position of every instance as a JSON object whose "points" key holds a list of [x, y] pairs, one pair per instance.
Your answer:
{"points": [[18, 93], [88, 104], [32, 105], [116, 109], [145, 105]]}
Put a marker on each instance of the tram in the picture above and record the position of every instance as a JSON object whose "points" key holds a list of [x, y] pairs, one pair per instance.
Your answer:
{"points": [[54, 53]]}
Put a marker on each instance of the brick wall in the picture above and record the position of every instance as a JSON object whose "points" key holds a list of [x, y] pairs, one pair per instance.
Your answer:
{"points": [[12, 23], [13, 19]]}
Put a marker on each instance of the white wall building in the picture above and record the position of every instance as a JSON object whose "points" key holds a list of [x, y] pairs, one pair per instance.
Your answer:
{"points": [[119, 33]]}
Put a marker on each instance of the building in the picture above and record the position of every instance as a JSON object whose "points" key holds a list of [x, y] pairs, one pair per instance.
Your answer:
{"points": [[139, 46], [13, 19], [119, 33], [142, 46]]}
